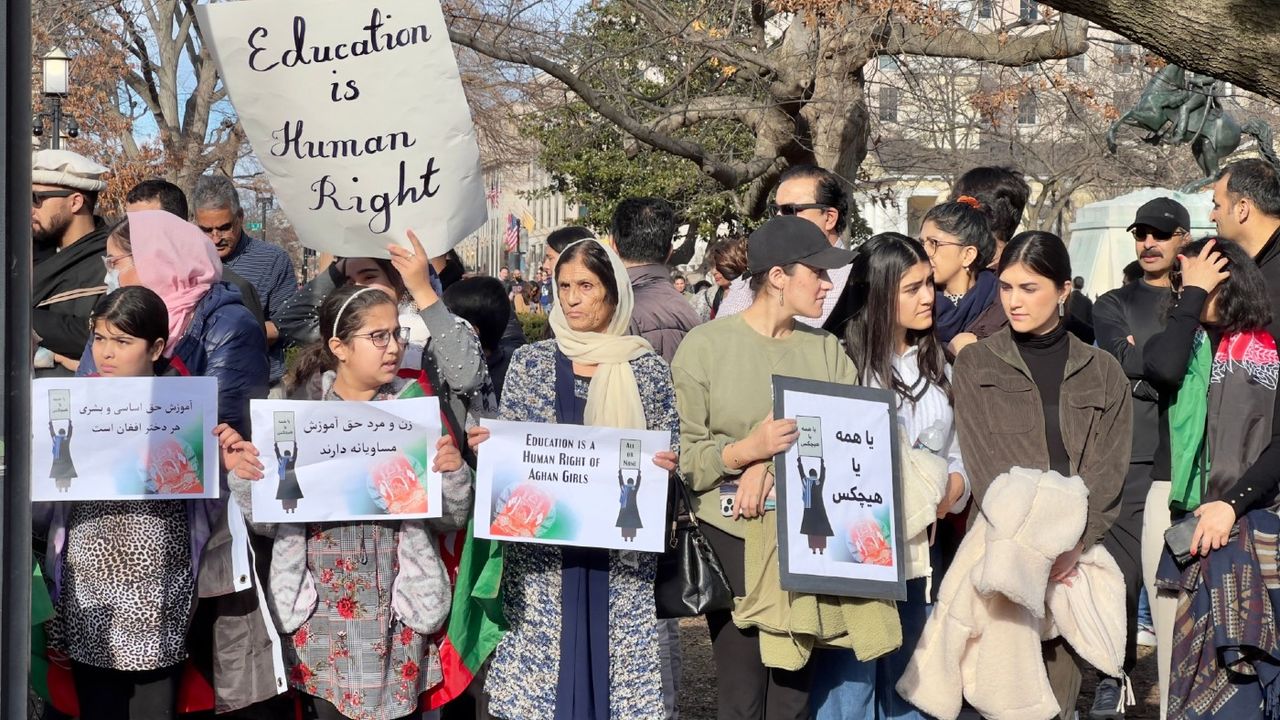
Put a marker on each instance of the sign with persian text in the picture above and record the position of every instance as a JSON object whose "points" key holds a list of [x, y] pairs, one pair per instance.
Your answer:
{"points": [[357, 114], [838, 486], [123, 438], [334, 460]]}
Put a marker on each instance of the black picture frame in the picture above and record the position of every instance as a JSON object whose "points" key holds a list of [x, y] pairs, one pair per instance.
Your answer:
{"points": [[833, 584]]}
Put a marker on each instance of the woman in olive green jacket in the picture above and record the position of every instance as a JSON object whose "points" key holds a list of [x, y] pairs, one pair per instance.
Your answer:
{"points": [[1034, 396]]}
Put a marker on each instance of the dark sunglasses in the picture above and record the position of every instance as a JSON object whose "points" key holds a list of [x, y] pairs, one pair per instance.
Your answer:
{"points": [[1140, 233], [795, 208], [221, 229], [39, 196]]}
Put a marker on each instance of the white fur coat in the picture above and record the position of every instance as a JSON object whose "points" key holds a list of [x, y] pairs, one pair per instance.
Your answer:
{"points": [[996, 605]]}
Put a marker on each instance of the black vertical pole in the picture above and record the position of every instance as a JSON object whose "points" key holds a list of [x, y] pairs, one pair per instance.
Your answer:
{"points": [[15, 235], [55, 140]]}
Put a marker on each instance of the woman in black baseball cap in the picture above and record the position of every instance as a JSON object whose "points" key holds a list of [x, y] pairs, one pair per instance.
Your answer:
{"points": [[728, 436]]}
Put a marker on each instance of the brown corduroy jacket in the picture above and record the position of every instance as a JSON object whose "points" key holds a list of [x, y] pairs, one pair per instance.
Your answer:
{"points": [[1001, 421]]}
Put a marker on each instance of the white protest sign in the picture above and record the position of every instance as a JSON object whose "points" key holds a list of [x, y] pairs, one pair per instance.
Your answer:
{"points": [[572, 485], [124, 439], [839, 518], [356, 112], [331, 460]]}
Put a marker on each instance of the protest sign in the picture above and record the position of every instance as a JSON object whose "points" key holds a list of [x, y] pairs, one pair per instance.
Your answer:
{"points": [[838, 490], [357, 114], [124, 439], [332, 461], [572, 485]]}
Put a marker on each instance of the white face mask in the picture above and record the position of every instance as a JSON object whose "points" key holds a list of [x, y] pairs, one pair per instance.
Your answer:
{"points": [[112, 280]]}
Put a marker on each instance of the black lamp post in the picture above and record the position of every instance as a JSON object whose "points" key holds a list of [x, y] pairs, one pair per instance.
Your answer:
{"points": [[55, 70]]}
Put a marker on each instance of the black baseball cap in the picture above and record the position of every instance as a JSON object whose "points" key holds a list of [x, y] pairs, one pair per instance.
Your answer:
{"points": [[787, 239], [1163, 214]]}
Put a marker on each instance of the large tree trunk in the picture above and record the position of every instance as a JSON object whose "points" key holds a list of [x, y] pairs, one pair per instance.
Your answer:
{"points": [[1235, 40]]}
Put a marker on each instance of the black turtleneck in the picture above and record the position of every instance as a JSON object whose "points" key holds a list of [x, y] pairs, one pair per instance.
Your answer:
{"points": [[1046, 358]]}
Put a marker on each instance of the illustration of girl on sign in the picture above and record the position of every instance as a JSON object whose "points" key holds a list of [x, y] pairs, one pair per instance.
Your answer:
{"points": [[629, 514], [814, 522], [63, 469], [289, 492]]}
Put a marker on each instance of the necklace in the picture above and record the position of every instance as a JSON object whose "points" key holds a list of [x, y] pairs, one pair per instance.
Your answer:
{"points": [[953, 297]]}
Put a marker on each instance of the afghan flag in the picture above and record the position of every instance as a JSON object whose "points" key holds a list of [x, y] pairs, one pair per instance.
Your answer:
{"points": [[476, 623]]}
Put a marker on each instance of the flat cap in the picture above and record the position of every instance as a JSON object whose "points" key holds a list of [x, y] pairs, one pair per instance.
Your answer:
{"points": [[67, 169]]}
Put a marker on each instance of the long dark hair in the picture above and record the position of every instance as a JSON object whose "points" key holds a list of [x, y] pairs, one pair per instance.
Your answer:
{"points": [[137, 311], [873, 294], [1042, 252], [594, 256], [353, 302], [1243, 303], [971, 228]]}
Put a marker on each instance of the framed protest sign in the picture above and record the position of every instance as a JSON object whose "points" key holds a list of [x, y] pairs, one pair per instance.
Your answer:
{"points": [[357, 113], [572, 485], [838, 491], [124, 439], [339, 461]]}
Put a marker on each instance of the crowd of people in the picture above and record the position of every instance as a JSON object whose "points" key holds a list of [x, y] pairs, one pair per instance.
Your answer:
{"points": [[1074, 456]]}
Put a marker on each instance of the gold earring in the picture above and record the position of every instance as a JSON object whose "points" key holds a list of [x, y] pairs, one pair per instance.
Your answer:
{"points": [[779, 298]]}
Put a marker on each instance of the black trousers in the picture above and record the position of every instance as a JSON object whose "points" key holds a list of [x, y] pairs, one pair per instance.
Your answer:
{"points": [[126, 695], [745, 688], [1124, 542]]}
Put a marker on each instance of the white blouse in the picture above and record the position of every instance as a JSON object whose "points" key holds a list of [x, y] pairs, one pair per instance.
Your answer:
{"points": [[931, 409]]}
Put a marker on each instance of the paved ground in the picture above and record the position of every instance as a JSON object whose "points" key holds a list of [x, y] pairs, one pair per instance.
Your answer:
{"points": [[698, 690]]}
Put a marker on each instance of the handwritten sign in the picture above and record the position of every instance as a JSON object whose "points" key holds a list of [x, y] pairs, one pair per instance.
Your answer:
{"points": [[571, 485], [357, 114], [809, 443], [839, 520], [124, 439], [328, 461]]}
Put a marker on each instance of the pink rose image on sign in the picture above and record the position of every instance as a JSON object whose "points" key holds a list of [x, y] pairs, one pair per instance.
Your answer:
{"points": [[397, 487], [523, 513], [170, 469], [868, 544]]}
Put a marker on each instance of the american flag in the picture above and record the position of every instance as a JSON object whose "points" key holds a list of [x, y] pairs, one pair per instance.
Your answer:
{"points": [[512, 237], [494, 194]]}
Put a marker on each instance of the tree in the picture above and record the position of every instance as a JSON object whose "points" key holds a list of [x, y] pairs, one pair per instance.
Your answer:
{"points": [[1234, 41], [141, 68], [692, 79]]}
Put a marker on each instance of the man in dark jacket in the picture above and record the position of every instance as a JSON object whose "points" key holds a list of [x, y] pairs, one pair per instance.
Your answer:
{"points": [[1246, 209], [643, 229], [69, 244], [1124, 320]]}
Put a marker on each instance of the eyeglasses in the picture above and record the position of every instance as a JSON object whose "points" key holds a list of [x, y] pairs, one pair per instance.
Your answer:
{"points": [[222, 229], [382, 338], [931, 245], [39, 196], [796, 208], [111, 261], [1140, 234]]}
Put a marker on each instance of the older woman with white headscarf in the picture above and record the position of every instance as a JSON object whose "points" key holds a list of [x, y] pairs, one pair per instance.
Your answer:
{"points": [[582, 642]]}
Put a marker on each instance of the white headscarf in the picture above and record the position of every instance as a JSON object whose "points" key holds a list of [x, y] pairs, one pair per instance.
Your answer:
{"points": [[613, 398]]}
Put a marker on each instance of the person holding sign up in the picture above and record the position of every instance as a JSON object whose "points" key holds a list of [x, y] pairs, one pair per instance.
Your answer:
{"points": [[583, 636], [124, 571], [358, 599], [891, 338], [728, 438], [437, 342], [1035, 396]]}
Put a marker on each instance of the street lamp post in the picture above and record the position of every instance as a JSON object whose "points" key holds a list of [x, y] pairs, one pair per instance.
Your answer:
{"points": [[55, 71]]}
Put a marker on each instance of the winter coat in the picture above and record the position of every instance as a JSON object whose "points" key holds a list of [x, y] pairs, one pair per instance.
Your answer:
{"points": [[223, 341], [661, 314], [1001, 421], [65, 285], [982, 642]]}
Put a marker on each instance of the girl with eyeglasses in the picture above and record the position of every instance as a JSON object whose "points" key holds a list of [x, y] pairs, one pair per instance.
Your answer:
{"points": [[958, 239], [357, 644]]}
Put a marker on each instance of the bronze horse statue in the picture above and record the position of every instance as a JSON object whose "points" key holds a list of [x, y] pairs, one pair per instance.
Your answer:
{"points": [[1178, 108]]}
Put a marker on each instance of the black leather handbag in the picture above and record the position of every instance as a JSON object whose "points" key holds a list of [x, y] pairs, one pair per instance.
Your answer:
{"points": [[690, 580]]}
